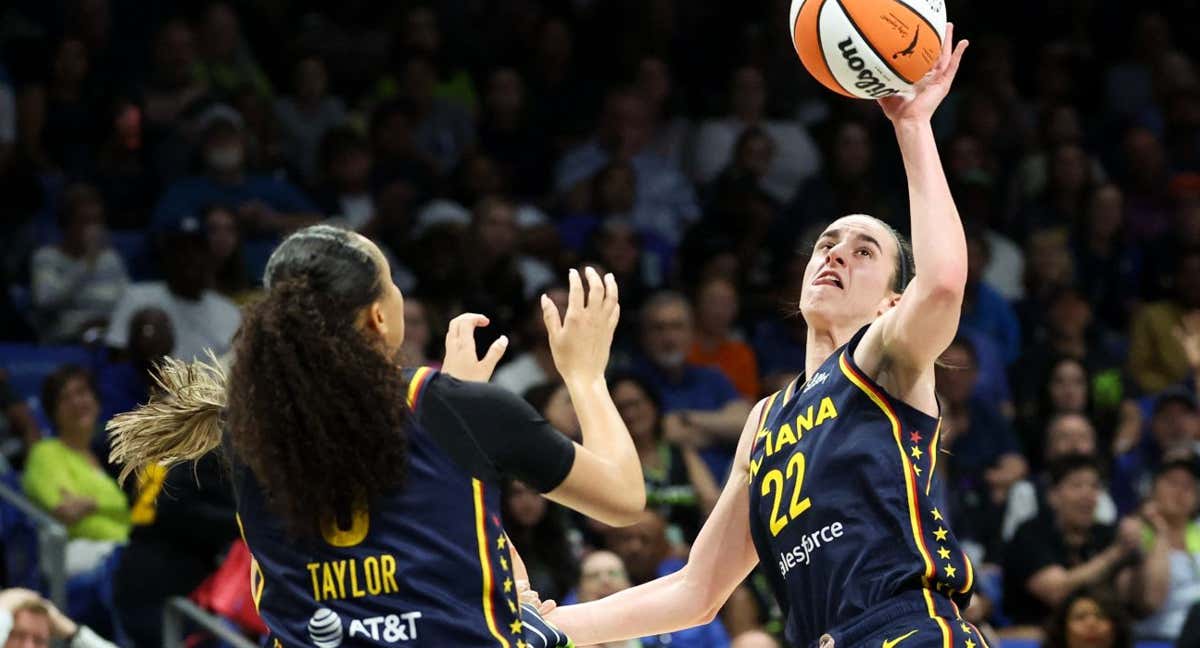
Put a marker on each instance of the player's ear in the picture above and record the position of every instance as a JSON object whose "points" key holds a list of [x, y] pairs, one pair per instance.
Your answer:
{"points": [[373, 319], [888, 303]]}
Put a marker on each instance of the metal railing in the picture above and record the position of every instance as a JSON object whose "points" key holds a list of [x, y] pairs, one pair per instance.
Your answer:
{"points": [[52, 544], [178, 611]]}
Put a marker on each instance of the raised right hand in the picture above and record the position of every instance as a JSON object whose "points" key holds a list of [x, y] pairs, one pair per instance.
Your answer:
{"points": [[580, 342]]}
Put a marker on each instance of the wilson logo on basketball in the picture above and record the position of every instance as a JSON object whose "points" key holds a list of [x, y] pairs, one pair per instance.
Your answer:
{"points": [[868, 82]]}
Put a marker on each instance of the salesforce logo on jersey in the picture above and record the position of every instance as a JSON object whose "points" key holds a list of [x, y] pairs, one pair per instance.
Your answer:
{"points": [[326, 631], [810, 543]]}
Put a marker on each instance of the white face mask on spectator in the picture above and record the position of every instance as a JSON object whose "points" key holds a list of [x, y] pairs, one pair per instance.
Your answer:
{"points": [[226, 158]]}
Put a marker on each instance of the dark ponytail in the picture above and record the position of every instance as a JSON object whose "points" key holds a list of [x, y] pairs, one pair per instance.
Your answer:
{"points": [[315, 408]]}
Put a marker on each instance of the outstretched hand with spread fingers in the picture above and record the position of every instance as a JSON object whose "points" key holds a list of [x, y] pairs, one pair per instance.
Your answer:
{"points": [[461, 359], [929, 92], [580, 341]]}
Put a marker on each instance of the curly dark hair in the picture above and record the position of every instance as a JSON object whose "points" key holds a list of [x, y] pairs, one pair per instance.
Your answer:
{"points": [[1056, 625], [314, 406]]}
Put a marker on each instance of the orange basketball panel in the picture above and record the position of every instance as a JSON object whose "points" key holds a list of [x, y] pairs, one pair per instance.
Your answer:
{"points": [[904, 39], [806, 38]]}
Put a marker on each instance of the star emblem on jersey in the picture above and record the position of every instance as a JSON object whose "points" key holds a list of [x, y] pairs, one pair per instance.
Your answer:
{"points": [[501, 543], [508, 585], [916, 452], [521, 643], [940, 534], [917, 469], [965, 628], [950, 571], [914, 436], [503, 563], [970, 644], [943, 553], [937, 515], [515, 627]]}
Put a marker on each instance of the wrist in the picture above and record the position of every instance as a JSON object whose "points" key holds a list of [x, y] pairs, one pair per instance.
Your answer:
{"points": [[585, 384], [912, 125]]}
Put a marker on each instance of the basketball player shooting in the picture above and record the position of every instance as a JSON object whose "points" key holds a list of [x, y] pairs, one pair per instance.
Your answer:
{"points": [[834, 485]]}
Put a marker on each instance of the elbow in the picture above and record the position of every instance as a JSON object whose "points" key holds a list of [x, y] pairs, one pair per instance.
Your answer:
{"points": [[627, 511]]}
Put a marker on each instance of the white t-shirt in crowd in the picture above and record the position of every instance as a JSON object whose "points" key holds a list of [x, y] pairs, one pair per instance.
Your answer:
{"points": [[207, 323], [520, 374]]}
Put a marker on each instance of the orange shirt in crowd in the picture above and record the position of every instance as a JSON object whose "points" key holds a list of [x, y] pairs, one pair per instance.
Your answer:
{"points": [[735, 360]]}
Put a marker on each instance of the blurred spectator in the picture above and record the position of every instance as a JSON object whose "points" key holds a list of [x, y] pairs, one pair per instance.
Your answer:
{"points": [[717, 343], [501, 277], [201, 318], [984, 310], [1063, 548], [630, 256], [1166, 584], [442, 130], [78, 282], [1037, 171], [1066, 434], [29, 621], [231, 277], [534, 365], [416, 350], [63, 476], [183, 523], [645, 551], [227, 62], [665, 202], [1174, 429], [984, 458], [1161, 257], [1108, 266], [397, 156], [422, 37], [124, 173], [1049, 268], [564, 96], [20, 428], [125, 385], [601, 574], [307, 115], [509, 134], [612, 205], [174, 84], [669, 130], [781, 334], [702, 407], [1091, 617], [265, 205], [749, 162], [344, 178], [1145, 181], [1157, 354], [1064, 199], [848, 184], [796, 155], [538, 530], [59, 125], [679, 486], [8, 121], [553, 402], [1128, 82]]}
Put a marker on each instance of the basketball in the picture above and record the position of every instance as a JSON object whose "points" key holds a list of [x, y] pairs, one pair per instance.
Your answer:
{"points": [[868, 48]]}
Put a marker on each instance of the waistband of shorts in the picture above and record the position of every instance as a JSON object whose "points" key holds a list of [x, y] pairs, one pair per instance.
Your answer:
{"points": [[907, 603]]}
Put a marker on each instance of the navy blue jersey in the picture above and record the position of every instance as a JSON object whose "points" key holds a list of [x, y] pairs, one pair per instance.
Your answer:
{"points": [[844, 508], [429, 565]]}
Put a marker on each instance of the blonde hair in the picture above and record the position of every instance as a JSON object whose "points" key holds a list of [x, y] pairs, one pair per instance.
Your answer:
{"points": [[183, 422]]}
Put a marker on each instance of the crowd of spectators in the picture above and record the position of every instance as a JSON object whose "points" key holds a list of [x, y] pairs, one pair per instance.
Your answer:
{"points": [[152, 154]]}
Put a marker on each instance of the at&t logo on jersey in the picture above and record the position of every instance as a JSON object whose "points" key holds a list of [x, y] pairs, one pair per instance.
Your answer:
{"points": [[326, 631]]}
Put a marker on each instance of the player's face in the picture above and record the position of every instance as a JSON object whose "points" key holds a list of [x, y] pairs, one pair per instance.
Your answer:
{"points": [[848, 280], [1088, 626]]}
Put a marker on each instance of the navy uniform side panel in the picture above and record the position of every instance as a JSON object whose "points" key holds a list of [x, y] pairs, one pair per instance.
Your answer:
{"points": [[845, 511], [428, 567]]}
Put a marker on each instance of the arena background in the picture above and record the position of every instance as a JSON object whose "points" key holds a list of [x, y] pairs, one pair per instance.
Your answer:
{"points": [[152, 153]]}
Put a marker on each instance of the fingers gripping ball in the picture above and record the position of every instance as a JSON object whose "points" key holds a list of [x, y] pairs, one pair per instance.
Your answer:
{"points": [[540, 633], [868, 48]]}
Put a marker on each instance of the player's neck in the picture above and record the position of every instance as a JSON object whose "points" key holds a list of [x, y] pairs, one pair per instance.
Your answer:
{"points": [[820, 343]]}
